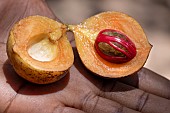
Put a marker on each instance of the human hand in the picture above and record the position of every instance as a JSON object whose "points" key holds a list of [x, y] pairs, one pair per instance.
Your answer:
{"points": [[80, 90]]}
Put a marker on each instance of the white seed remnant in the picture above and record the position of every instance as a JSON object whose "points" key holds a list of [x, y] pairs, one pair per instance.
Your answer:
{"points": [[44, 50]]}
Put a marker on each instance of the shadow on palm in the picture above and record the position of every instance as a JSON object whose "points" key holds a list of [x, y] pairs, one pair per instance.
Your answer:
{"points": [[22, 86]]}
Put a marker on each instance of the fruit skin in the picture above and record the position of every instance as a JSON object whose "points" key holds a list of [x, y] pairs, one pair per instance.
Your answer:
{"points": [[85, 35], [127, 49], [30, 69]]}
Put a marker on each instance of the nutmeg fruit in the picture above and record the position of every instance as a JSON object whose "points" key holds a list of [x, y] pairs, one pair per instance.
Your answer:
{"points": [[87, 32], [39, 50]]}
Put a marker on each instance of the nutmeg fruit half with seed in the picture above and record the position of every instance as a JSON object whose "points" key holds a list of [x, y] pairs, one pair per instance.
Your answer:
{"points": [[39, 50], [111, 44]]}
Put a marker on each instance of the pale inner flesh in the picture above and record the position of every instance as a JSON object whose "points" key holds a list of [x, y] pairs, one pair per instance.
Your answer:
{"points": [[44, 50]]}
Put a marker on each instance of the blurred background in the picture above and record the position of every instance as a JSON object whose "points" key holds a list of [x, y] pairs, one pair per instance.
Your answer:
{"points": [[153, 16]]}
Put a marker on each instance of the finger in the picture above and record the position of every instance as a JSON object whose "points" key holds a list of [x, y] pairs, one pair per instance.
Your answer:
{"points": [[155, 104], [134, 98], [150, 82], [97, 104], [67, 110], [89, 102]]}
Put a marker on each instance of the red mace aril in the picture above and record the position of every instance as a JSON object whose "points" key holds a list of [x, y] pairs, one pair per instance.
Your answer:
{"points": [[114, 46]]}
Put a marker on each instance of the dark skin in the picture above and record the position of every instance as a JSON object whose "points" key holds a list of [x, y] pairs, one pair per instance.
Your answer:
{"points": [[80, 90]]}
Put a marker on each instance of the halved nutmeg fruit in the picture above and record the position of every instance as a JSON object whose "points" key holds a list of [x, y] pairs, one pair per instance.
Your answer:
{"points": [[111, 44], [39, 50]]}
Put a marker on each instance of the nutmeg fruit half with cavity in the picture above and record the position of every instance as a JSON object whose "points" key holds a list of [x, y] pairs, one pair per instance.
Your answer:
{"points": [[39, 50]]}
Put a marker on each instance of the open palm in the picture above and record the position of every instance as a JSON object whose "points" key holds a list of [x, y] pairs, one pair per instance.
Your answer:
{"points": [[80, 90]]}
